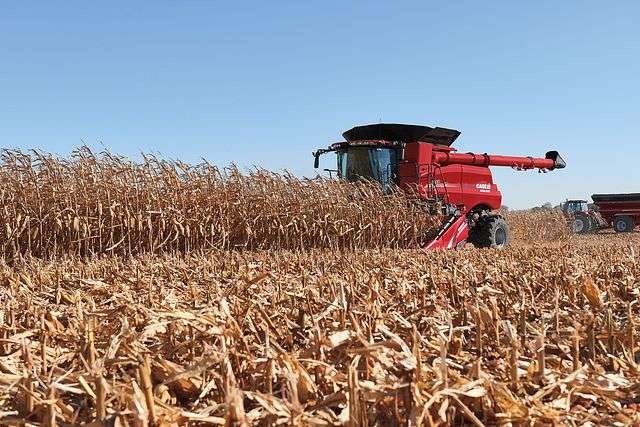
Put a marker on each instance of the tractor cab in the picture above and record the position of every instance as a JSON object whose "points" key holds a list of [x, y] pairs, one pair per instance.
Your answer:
{"points": [[572, 207]]}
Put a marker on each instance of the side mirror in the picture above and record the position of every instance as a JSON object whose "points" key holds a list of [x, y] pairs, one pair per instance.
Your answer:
{"points": [[316, 160]]}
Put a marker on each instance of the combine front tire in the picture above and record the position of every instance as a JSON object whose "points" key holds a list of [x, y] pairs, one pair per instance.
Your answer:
{"points": [[490, 232], [624, 224]]}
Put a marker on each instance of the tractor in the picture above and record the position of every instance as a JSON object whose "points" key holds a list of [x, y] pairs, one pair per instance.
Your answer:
{"points": [[581, 217], [421, 161]]}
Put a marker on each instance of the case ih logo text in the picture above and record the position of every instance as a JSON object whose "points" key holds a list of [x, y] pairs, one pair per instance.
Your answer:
{"points": [[484, 188]]}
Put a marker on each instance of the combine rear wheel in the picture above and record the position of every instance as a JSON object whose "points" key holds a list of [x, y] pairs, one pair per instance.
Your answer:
{"points": [[624, 224], [490, 231]]}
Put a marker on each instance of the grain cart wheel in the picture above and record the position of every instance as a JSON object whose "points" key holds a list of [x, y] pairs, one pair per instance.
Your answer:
{"points": [[581, 225], [491, 231], [624, 224]]}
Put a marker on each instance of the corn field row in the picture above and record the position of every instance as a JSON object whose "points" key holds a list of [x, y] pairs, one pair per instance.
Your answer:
{"points": [[531, 227], [104, 204], [528, 335]]}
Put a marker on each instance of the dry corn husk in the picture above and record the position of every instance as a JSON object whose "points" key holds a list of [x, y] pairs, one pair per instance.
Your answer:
{"points": [[325, 338]]}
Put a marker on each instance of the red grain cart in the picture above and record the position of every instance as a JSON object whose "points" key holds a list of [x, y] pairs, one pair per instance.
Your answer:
{"points": [[621, 211]]}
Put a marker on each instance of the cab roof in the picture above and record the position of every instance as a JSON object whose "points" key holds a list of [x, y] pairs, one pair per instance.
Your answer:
{"points": [[395, 132]]}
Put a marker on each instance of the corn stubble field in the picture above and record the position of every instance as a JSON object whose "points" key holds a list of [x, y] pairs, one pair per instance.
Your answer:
{"points": [[163, 294]]}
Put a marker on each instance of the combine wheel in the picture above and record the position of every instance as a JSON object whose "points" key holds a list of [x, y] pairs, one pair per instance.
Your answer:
{"points": [[624, 224], [490, 231], [581, 225]]}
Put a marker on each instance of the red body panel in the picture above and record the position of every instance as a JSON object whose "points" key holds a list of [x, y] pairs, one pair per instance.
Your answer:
{"points": [[610, 209], [455, 232], [445, 158], [462, 180]]}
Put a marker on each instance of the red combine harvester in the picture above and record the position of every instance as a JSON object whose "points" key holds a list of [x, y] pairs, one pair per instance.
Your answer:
{"points": [[421, 161]]}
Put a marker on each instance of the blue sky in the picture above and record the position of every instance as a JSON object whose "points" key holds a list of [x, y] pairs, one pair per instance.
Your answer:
{"points": [[265, 83]]}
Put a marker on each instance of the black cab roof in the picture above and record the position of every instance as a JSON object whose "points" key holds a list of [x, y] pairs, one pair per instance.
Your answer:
{"points": [[395, 132]]}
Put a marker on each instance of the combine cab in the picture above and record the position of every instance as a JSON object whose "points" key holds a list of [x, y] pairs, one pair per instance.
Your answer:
{"points": [[421, 161]]}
